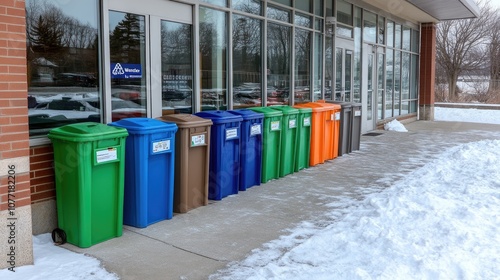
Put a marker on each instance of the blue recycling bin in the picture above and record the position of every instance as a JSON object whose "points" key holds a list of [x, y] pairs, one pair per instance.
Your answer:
{"points": [[149, 171], [225, 136], [251, 148]]}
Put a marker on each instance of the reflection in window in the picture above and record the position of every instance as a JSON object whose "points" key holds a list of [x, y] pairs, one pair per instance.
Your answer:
{"points": [[344, 12], [344, 31], [247, 69], [389, 83], [222, 3], [397, 36], [318, 7], [405, 76], [248, 6], [413, 76], [397, 81], [370, 27], [284, 2], [318, 24], [302, 66], [62, 63], [213, 54], [304, 5], [390, 33], [415, 41], [176, 67], [369, 86], [278, 63], [348, 76], [406, 38], [128, 62], [303, 20], [328, 67], [380, 86], [278, 14], [318, 66], [381, 30]]}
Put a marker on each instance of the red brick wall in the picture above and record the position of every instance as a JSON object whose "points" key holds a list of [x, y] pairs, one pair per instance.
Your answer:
{"points": [[42, 173], [427, 63], [14, 137]]}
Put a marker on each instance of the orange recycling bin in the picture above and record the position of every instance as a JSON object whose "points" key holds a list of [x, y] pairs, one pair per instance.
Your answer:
{"points": [[325, 123], [332, 128]]}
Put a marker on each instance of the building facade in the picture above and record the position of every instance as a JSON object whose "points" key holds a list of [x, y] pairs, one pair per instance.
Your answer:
{"points": [[103, 60]]}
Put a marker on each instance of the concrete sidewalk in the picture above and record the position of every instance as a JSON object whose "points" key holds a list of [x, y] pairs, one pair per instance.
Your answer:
{"points": [[196, 244]]}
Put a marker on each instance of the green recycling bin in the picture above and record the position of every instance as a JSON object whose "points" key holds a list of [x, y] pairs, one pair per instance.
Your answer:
{"points": [[271, 144], [288, 138], [89, 160], [303, 149]]}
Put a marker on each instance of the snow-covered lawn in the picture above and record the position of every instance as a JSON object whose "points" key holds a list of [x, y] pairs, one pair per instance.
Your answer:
{"points": [[467, 115]]}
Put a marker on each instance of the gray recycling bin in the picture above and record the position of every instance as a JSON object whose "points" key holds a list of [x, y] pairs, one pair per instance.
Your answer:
{"points": [[356, 127], [345, 137]]}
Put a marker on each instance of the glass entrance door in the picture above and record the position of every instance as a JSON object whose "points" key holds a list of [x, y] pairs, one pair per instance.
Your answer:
{"points": [[343, 70], [150, 59]]}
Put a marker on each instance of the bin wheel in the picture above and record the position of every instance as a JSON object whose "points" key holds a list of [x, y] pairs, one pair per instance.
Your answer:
{"points": [[58, 236]]}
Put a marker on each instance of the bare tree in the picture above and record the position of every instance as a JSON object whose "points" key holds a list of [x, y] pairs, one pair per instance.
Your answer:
{"points": [[494, 54], [460, 45]]}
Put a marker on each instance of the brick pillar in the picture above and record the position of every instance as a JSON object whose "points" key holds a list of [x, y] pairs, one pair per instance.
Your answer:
{"points": [[427, 71], [16, 247]]}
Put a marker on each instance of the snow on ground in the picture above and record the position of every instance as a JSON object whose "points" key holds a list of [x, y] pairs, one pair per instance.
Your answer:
{"points": [[395, 125], [56, 263], [440, 222], [467, 115]]}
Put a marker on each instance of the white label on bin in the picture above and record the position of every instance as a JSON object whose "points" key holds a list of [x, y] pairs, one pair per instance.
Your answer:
{"points": [[231, 133], [255, 130], [332, 117], [307, 121], [275, 125], [337, 116], [357, 113], [106, 155], [292, 123], [161, 146], [198, 140]]}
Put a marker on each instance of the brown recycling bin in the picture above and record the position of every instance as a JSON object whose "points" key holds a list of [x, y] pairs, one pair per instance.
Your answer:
{"points": [[192, 152]]}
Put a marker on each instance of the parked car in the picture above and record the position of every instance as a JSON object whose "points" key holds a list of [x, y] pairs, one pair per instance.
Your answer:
{"points": [[176, 90], [75, 79]]}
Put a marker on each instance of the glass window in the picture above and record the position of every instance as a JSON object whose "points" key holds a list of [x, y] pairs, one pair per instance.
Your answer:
{"points": [[390, 33], [127, 48], [176, 67], [358, 23], [279, 40], [381, 30], [62, 63], [380, 86], [222, 3], [344, 12], [413, 106], [328, 67], [248, 6], [302, 66], [389, 83], [415, 41], [344, 31], [406, 38], [370, 27], [247, 69], [213, 59], [278, 14], [329, 8], [397, 81], [304, 5], [348, 76], [338, 74], [318, 24], [369, 86], [318, 7], [303, 20], [397, 36], [413, 76], [318, 66], [405, 76], [284, 2]]}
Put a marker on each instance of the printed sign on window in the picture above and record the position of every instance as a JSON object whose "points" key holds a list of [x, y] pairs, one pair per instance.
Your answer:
{"points": [[255, 130], [161, 146], [126, 71]]}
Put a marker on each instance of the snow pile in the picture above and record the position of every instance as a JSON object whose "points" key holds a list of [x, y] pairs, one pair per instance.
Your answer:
{"points": [[395, 125], [56, 263], [440, 222], [467, 115]]}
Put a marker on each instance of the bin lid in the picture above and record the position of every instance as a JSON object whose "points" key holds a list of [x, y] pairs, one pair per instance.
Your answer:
{"points": [[342, 104], [144, 125], [330, 106], [186, 120], [268, 112], [86, 131], [356, 104], [247, 114], [285, 109], [219, 117], [316, 107], [303, 110]]}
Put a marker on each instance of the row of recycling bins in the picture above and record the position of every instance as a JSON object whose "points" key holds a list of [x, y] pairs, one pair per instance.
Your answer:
{"points": [[123, 173]]}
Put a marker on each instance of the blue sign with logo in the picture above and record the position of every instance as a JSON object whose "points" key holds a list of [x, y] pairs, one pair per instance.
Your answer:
{"points": [[126, 71]]}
